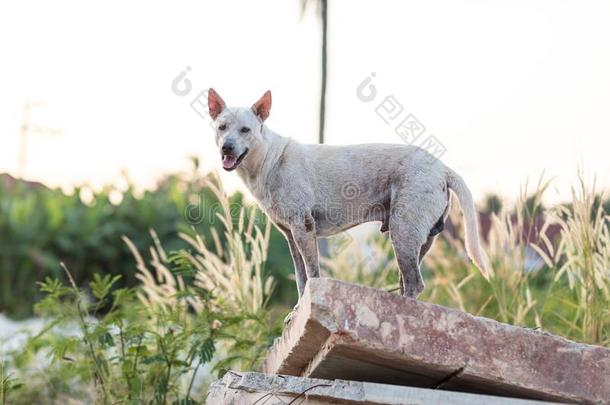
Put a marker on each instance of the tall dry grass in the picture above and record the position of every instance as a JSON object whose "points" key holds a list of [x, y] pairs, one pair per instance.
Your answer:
{"points": [[237, 266], [232, 271], [560, 285], [227, 277], [373, 267], [582, 257]]}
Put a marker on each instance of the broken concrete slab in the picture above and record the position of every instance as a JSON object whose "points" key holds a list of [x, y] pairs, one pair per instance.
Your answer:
{"points": [[357, 333], [256, 388]]}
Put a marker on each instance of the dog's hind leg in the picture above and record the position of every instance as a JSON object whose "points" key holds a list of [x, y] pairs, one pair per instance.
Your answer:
{"points": [[407, 246], [425, 247], [436, 229], [409, 233]]}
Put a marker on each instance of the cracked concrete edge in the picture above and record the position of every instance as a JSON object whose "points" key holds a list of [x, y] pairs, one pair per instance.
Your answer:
{"points": [[250, 388], [430, 334], [301, 339], [332, 313]]}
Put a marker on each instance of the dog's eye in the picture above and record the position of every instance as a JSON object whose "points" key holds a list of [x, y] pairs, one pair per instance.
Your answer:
{"points": [[222, 127], [244, 130]]}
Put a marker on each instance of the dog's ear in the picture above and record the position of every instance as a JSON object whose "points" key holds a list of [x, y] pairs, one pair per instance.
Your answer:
{"points": [[263, 106], [215, 103]]}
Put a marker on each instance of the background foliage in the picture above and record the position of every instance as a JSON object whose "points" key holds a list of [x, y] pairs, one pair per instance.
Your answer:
{"points": [[150, 343], [189, 301], [41, 227]]}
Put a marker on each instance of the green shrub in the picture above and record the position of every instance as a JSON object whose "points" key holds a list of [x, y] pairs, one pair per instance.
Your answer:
{"points": [[147, 344]]}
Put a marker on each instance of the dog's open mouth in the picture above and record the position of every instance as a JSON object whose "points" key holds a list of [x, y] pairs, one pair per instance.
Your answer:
{"points": [[230, 162]]}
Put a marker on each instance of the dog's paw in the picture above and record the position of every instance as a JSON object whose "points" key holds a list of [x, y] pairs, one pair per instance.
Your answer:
{"points": [[412, 293]]}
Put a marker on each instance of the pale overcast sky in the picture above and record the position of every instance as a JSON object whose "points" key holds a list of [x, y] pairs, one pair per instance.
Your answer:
{"points": [[510, 88]]}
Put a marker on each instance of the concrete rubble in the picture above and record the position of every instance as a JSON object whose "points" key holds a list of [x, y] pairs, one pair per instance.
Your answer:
{"points": [[348, 332], [256, 388]]}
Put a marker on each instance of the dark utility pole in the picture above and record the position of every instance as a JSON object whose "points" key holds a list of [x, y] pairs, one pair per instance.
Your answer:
{"points": [[324, 5]]}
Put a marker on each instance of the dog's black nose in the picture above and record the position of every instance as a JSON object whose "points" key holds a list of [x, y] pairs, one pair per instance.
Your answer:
{"points": [[227, 149]]}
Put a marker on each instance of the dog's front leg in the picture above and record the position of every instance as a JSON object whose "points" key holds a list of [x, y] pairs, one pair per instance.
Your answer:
{"points": [[299, 266], [299, 271], [305, 238], [304, 249]]}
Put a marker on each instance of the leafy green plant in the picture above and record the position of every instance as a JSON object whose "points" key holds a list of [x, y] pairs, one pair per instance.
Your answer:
{"points": [[130, 353], [8, 384], [148, 344]]}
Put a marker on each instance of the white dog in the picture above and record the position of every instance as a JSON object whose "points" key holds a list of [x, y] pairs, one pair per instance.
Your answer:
{"points": [[312, 191]]}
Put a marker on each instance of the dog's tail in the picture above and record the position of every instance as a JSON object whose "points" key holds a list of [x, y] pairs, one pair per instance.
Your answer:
{"points": [[473, 243]]}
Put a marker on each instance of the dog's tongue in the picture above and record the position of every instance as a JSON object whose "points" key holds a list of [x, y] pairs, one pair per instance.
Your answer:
{"points": [[228, 161]]}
